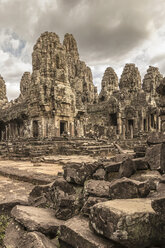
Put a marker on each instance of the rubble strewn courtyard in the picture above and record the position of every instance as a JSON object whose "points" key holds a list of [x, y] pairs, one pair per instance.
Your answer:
{"points": [[78, 169]]}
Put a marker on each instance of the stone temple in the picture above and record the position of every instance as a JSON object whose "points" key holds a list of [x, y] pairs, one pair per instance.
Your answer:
{"points": [[59, 97], [78, 169]]}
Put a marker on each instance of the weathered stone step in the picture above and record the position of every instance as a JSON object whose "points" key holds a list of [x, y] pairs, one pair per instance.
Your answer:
{"points": [[12, 193], [37, 219], [76, 233]]}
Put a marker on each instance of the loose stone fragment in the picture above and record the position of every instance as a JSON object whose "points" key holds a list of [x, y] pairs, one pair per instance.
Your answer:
{"points": [[76, 232], [127, 168], [132, 223], [125, 188]]}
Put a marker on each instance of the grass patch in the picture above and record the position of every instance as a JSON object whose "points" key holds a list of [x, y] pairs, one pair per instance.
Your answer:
{"points": [[4, 220]]}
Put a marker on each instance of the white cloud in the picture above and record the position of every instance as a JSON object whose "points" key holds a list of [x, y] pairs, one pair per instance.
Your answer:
{"points": [[108, 33]]}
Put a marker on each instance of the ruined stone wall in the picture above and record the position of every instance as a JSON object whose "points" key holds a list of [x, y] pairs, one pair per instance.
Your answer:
{"points": [[129, 111]]}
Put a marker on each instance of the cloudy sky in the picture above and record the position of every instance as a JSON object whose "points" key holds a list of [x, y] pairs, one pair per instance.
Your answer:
{"points": [[108, 33]]}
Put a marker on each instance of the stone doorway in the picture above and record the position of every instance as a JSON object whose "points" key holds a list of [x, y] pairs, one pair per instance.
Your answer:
{"points": [[63, 127], [35, 129], [2, 129], [130, 128], [113, 119]]}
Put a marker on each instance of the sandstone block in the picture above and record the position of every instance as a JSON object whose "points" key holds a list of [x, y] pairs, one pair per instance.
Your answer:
{"points": [[155, 156], [152, 177], [158, 205], [36, 219], [92, 200], [76, 232], [67, 199], [125, 188], [140, 164], [127, 168], [132, 223], [16, 236], [98, 188], [78, 173]]}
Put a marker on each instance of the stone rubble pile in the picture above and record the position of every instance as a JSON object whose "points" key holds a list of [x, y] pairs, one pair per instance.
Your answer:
{"points": [[111, 203]]}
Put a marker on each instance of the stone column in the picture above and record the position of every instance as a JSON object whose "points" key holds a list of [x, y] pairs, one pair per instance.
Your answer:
{"points": [[135, 127], [159, 124], [6, 130], [119, 124], [3, 135], [9, 130], [149, 122], [123, 131], [131, 131], [146, 123]]}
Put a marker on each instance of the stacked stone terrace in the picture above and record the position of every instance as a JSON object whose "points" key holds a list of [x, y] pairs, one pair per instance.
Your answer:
{"points": [[60, 99]]}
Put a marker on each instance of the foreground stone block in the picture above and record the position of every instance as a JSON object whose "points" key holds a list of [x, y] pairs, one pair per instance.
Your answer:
{"points": [[158, 205], [98, 188], [141, 164], [127, 168], [132, 223], [112, 166], [12, 193], [36, 240], [67, 199], [156, 138], [78, 173], [155, 156], [152, 177], [40, 196], [90, 202], [17, 237], [125, 188], [76, 232], [159, 193], [36, 219]]}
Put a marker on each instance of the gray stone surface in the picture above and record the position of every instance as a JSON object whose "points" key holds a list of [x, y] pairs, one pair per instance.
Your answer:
{"points": [[78, 173], [127, 168], [155, 156], [17, 237], [13, 192], [152, 177], [76, 233], [92, 200], [126, 188], [141, 164], [132, 223], [158, 205], [36, 219], [27, 172], [98, 188]]}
